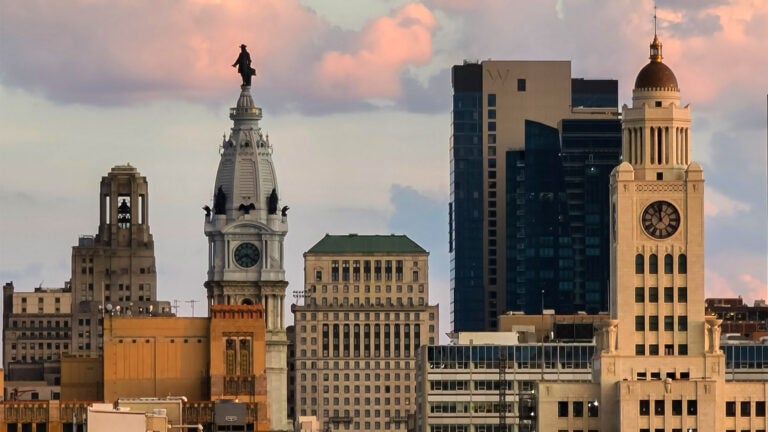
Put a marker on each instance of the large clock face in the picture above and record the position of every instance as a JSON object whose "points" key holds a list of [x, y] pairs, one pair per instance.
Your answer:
{"points": [[661, 219], [247, 255]]}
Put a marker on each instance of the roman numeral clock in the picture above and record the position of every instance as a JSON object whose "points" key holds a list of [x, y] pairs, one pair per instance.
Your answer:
{"points": [[661, 219]]}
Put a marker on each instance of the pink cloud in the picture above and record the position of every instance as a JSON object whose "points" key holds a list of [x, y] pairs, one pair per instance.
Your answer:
{"points": [[121, 51], [710, 64], [387, 46]]}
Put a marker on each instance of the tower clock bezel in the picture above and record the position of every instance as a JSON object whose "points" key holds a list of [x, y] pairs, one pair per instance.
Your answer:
{"points": [[246, 255], [660, 227]]}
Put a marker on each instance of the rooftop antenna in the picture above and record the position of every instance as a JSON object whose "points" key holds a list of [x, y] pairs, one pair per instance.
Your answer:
{"points": [[654, 19], [175, 307], [192, 303]]}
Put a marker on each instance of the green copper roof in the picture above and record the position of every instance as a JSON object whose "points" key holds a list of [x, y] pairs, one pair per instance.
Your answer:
{"points": [[365, 244]]}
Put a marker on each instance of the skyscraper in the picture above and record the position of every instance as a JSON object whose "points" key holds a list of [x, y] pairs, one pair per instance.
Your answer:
{"points": [[365, 314], [529, 148], [245, 230]]}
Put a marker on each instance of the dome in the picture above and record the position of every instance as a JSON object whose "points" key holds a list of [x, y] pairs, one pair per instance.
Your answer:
{"points": [[656, 75]]}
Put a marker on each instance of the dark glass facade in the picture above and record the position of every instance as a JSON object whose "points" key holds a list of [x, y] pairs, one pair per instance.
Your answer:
{"points": [[557, 216], [466, 204], [546, 243]]}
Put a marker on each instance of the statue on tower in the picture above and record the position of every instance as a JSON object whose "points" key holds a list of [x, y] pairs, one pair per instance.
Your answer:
{"points": [[243, 64]]}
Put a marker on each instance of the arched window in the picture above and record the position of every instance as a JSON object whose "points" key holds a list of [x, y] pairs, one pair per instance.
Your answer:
{"points": [[682, 264], [653, 264], [667, 264], [639, 264]]}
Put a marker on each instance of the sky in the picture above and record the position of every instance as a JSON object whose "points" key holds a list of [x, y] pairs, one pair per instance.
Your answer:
{"points": [[356, 98]]}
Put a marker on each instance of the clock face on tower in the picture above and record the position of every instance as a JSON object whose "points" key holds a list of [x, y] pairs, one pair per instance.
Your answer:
{"points": [[660, 219], [247, 255]]}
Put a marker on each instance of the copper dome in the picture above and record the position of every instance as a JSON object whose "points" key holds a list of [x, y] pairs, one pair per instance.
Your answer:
{"points": [[656, 75]]}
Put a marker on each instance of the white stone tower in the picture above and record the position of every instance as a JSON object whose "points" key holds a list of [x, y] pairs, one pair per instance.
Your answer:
{"points": [[246, 230]]}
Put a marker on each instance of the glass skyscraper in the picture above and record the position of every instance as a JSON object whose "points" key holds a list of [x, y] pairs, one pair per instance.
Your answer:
{"points": [[531, 151]]}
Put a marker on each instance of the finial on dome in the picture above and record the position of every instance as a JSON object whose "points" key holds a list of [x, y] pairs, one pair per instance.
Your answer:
{"points": [[656, 44]]}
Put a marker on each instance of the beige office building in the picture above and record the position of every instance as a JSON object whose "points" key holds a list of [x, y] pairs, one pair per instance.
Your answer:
{"points": [[658, 364], [365, 313]]}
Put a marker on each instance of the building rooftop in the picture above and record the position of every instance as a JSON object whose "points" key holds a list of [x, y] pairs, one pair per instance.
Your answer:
{"points": [[365, 244]]}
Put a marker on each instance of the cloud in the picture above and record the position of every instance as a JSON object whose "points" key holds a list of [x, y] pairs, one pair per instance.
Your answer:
{"points": [[386, 47], [716, 204], [115, 53]]}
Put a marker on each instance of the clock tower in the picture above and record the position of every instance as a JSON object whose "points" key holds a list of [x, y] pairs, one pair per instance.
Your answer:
{"points": [[245, 230]]}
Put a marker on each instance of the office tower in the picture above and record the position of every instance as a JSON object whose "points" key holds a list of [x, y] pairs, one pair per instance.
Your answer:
{"points": [[366, 312], [114, 271], [529, 150], [245, 231]]}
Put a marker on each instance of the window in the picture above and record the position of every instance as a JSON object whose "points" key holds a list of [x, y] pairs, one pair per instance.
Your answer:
{"points": [[639, 349], [658, 407], [667, 264], [745, 408], [669, 323], [593, 409], [491, 100], [760, 409], [639, 264], [730, 409], [682, 295], [562, 409], [669, 294], [653, 264], [639, 295], [682, 264], [639, 323], [521, 84], [653, 294], [682, 349], [682, 323], [653, 349], [692, 408], [578, 409], [677, 407], [653, 323], [645, 407]]}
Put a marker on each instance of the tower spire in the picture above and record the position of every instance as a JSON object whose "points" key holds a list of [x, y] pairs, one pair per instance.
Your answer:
{"points": [[656, 44]]}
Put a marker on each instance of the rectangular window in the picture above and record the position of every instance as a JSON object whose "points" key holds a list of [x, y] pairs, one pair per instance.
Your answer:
{"points": [[491, 100], [682, 349], [677, 407], [562, 409], [730, 409], [653, 349], [653, 294], [578, 409], [639, 323], [639, 349], [639, 294], [645, 407], [669, 294], [744, 409], [653, 323], [521, 84], [760, 409], [491, 114], [491, 126], [669, 323], [682, 323], [682, 295], [658, 407], [692, 407]]}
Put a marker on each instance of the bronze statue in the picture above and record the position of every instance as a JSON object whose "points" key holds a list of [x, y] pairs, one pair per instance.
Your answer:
{"points": [[244, 68], [272, 202], [220, 201]]}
